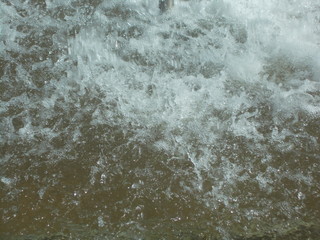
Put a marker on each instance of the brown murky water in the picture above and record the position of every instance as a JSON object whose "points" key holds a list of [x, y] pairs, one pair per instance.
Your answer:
{"points": [[120, 123], [139, 193]]}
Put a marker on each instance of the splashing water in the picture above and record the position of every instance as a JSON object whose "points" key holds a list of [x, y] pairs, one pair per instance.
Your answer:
{"points": [[119, 121]]}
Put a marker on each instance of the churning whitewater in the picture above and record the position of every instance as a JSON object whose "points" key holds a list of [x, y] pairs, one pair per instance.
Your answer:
{"points": [[118, 120]]}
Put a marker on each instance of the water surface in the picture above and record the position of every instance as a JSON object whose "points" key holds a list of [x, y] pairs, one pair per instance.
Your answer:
{"points": [[117, 121]]}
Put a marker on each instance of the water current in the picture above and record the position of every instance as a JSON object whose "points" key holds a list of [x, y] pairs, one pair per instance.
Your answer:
{"points": [[121, 122]]}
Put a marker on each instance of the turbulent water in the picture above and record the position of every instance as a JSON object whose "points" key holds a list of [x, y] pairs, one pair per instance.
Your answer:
{"points": [[119, 122]]}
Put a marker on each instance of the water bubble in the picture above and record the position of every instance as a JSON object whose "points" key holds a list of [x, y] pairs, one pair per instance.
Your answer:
{"points": [[103, 178], [101, 222]]}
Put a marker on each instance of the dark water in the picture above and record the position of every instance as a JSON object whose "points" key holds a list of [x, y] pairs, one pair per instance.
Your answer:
{"points": [[118, 122]]}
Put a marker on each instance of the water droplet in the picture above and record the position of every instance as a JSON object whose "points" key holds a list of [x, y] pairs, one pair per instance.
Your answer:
{"points": [[6, 181], [101, 223], [301, 196]]}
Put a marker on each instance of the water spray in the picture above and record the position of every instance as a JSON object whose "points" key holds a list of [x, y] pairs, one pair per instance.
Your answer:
{"points": [[164, 5]]}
